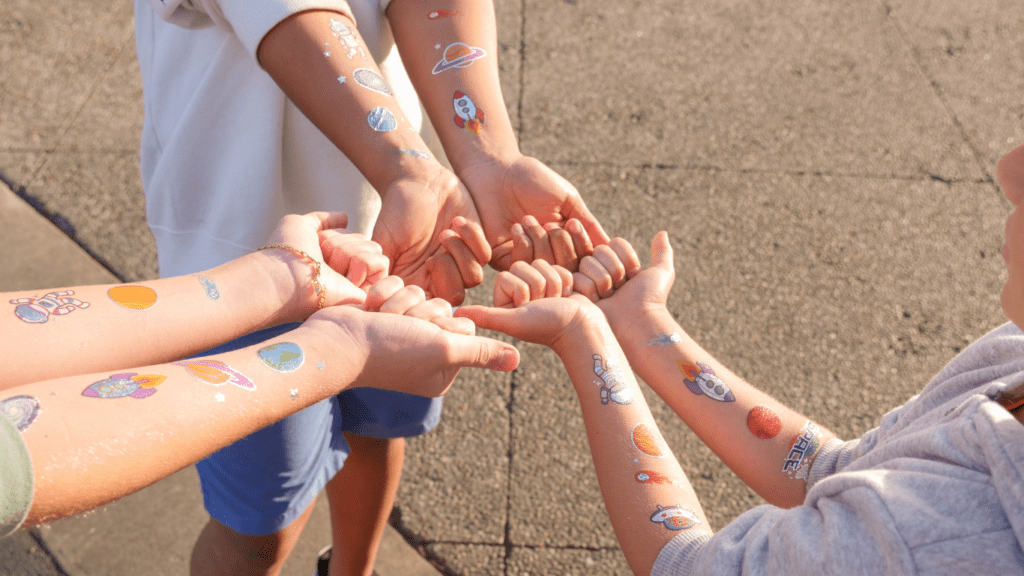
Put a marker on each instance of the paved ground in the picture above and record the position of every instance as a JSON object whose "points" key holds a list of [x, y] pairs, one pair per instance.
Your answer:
{"points": [[826, 171]]}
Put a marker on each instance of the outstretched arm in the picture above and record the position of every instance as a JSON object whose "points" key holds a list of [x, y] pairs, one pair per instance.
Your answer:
{"points": [[648, 497], [82, 329], [770, 447], [98, 437], [320, 62], [449, 49]]}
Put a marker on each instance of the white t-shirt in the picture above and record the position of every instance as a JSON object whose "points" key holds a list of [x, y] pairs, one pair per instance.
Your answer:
{"points": [[225, 154]]}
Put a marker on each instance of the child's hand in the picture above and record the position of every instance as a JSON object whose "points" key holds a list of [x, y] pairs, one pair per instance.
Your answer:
{"points": [[354, 256], [641, 293], [533, 303], [302, 233], [415, 209], [508, 189], [407, 343]]}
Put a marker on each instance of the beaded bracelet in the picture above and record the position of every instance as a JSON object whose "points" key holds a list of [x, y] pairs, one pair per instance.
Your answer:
{"points": [[318, 287]]}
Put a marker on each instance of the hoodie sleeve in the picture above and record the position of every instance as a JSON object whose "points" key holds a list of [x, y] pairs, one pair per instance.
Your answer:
{"points": [[15, 478], [249, 20]]}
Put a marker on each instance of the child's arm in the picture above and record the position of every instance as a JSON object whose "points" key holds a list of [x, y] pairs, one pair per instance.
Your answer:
{"points": [[95, 438], [648, 497], [449, 48], [320, 62], [72, 330], [769, 446]]}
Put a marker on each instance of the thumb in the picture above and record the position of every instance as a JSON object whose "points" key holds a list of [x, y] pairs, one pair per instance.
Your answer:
{"points": [[482, 352], [661, 252]]}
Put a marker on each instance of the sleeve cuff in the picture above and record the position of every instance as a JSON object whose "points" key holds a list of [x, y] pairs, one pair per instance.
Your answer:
{"points": [[680, 553], [253, 19], [831, 458]]}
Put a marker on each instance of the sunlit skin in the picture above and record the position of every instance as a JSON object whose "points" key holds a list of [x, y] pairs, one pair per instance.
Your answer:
{"points": [[1010, 172]]}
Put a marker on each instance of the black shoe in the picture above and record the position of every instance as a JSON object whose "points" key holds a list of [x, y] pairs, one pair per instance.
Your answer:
{"points": [[323, 562]]}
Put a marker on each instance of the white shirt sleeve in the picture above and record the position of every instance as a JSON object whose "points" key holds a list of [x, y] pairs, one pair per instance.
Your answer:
{"points": [[249, 20]]}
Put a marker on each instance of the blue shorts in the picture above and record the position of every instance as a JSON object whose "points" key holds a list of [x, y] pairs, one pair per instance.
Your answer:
{"points": [[262, 483]]}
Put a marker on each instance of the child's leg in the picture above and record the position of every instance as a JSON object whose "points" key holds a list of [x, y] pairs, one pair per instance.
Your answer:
{"points": [[220, 550], [362, 495]]}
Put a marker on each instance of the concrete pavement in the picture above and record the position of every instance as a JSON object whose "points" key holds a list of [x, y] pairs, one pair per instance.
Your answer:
{"points": [[826, 172]]}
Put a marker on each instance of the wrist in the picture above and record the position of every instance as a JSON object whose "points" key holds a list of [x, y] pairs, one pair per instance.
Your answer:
{"points": [[410, 169], [588, 331], [485, 160], [296, 280]]}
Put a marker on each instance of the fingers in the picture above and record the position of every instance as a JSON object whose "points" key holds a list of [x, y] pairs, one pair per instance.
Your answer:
{"points": [[328, 220], [539, 238], [573, 207], [445, 279], [510, 291], [583, 284], [354, 256], [379, 293], [581, 243], [467, 245], [525, 282], [627, 256]]}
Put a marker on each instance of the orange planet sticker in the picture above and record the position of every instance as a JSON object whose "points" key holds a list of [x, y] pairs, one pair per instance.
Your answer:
{"points": [[648, 440], [133, 297]]}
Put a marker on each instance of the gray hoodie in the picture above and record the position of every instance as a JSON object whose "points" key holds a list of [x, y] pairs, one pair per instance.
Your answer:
{"points": [[937, 488]]}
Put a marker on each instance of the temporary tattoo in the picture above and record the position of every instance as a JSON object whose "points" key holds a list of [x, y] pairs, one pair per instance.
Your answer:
{"points": [[369, 79], [218, 397], [294, 393], [458, 55], [675, 517], [704, 381], [763, 422], [216, 373], [22, 411], [802, 451], [441, 14], [133, 297], [341, 79], [282, 357], [414, 153], [437, 46], [327, 53], [613, 386], [467, 115], [320, 365], [648, 440], [382, 120], [211, 287], [651, 477], [663, 340], [347, 39], [128, 384], [38, 310]]}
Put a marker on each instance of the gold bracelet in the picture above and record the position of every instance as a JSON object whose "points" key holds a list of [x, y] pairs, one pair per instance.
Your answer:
{"points": [[318, 287]]}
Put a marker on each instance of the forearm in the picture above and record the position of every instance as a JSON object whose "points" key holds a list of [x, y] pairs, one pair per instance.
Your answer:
{"points": [[322, 65], [54, 333], [649, 499], [755, 435], [475, 126], [99, 437]]}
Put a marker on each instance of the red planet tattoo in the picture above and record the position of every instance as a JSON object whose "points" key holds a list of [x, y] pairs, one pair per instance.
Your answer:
{"points": [[763, 422]]}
